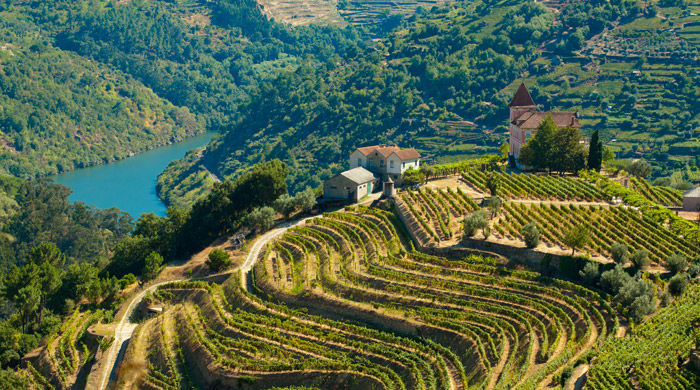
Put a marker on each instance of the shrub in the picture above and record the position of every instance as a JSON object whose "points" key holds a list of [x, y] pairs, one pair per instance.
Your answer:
{"points": [[664, 298], [531, 235], [151, 268], [613, 280], [694, 270], [639, 168], [619, 252], [494, 204], [475, 221], [127, 280], [576, 238], [590, 273], [676, 263], [678, 284], [640, 258], [261, 219], [641, 307], [218, 260]]}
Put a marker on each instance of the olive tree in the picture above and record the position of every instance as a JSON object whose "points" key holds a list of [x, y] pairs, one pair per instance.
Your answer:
{"points": [[218, 260], [676, 263], [620, 253], [640, 258], [261, 219], [678, 284], [589, 273], [576, 238], [475, 221], [531, 235]]}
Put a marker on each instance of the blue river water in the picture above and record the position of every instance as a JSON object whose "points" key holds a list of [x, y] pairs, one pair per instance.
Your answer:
{"points": [[129, 184]]}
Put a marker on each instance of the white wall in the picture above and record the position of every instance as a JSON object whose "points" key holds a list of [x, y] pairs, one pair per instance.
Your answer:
{"points": [[357, 159], [406, 165]]}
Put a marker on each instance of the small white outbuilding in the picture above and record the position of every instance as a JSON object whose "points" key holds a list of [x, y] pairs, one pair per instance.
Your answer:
{"points": [[691, 200]]}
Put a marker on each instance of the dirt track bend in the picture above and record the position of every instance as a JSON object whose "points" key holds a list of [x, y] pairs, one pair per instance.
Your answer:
{"points": [[125, 329], [122, 333]]}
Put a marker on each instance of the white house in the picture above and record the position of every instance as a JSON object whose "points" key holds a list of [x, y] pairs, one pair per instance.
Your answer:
{"points": [[385, 161]]}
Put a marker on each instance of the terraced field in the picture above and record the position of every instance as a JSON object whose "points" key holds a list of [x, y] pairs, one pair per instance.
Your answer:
{"points": [[343, 302], [66, 358], [555, 204], [662, 195], [339, 13], [605, 225], [650, 357]]}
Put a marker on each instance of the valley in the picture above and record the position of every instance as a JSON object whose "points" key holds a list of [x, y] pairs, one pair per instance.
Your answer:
{"points": [[429, 195]]}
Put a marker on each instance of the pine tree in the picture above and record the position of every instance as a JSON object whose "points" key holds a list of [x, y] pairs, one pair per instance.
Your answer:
{"points": [[595, 153]]}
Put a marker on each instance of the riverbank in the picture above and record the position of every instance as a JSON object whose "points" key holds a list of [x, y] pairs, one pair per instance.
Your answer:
{"points": [[128, 184]]}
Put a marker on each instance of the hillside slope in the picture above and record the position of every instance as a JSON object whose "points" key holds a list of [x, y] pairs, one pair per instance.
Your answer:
{"points": [[88, 82], [442, 81]]}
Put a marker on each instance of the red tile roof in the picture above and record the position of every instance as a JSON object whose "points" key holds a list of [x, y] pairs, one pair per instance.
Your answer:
{"points": [[532, 119], [386, 151], [407, 154], [522, 98]]}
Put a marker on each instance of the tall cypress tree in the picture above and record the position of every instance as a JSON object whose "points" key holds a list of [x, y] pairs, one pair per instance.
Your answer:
{"points": [[595, 152]]}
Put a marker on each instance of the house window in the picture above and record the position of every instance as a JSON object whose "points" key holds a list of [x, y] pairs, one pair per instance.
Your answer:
{"points": [[359, 162], [391, 164], [334, 187], [381, 163]]}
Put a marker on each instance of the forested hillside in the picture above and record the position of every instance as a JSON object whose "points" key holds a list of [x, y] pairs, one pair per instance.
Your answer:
{"points": [[88, 82], [51, 254], [442, 81]]}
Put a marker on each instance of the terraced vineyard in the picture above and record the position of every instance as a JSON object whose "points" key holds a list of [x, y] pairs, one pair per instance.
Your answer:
{"points": [[605, 225], [555, 204], [342, 302], [662, 195], [362, 12], [67, 358], [650, 357], [543, 187]]}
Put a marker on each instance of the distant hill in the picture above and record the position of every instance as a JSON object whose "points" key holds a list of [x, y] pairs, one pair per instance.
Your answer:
{"points": [[462, 63], [89, 82]]}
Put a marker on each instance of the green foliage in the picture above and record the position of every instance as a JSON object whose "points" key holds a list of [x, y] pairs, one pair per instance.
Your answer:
{"points": [[576, 237], [637, 294], [475, 221], [640, 258], [590, 273], [595, 152], [413, 177], [619, 253], [261, 219], [531, 235], [676, 263], [678, 284], [554, 149], [639, 168], [613, 280], [303, 201], [152, 266], [660, 343], [218, 260]]}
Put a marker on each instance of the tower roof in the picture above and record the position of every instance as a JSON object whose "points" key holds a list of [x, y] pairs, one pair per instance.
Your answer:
{"points": [[522, 98]]}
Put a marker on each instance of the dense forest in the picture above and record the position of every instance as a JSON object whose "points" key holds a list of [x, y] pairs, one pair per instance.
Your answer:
{"points": [[424, 83], [57, 257], [89, 82], [51, 254]]}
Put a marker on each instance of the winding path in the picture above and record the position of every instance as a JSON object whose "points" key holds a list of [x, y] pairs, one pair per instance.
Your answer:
{"points": [[122, 333], [125, 329]]}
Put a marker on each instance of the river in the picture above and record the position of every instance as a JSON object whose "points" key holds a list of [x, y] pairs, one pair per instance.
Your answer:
{"points": [[128, 184]]}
